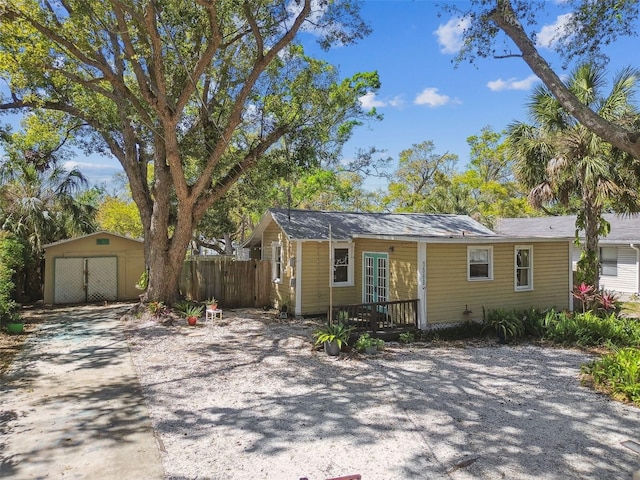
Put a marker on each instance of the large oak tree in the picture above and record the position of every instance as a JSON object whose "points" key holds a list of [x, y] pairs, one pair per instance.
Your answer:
{"points": [[201, 91]]}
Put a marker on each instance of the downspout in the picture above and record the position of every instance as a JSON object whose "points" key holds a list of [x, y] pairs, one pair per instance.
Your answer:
{"points": [[570, 276], [637, 267]]}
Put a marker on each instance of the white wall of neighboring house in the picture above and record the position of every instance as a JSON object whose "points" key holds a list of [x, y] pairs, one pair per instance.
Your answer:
{"points": [[627, 278]]}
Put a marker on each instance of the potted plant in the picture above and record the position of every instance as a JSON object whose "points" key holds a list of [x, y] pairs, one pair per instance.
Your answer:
{"points": [[192, 313], [369, 345], [212, 303], [14, 323], [333, 336]]}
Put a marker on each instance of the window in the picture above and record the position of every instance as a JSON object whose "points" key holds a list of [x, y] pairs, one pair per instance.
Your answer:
{"points": [[609, 261], [276, 262], [523, 268], [480, 263], [343, 265]]}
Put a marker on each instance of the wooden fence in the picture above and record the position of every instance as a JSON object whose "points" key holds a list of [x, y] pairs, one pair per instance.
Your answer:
{"points": [[234, 283]]}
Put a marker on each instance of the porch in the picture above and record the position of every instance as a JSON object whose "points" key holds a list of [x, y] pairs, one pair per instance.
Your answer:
{"points": [[379, 317]]}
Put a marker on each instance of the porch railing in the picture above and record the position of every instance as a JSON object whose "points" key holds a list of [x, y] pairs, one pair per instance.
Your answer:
{"points": [[378, 316]]}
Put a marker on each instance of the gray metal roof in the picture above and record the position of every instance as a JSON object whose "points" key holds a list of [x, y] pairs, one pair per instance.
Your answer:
{"points": [[314, 225], [623, 229]]}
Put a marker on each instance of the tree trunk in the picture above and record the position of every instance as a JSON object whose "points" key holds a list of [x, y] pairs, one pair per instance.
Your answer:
{"points": [[591, 264]]}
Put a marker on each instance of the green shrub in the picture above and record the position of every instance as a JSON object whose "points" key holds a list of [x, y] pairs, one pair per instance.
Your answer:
{"points": [[366, 340], [506, 323], [157, 309], [407, 337], [533, 322], [618, 373], [11, 258], [591, 329]]}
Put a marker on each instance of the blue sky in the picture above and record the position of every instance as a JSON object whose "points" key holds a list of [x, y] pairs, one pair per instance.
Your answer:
{"points": [[423, 96]]}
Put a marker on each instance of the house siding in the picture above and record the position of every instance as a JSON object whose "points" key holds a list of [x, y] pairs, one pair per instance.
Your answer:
{"points": [[282, 293], [626, 281], [315, 274], [449, 293]]}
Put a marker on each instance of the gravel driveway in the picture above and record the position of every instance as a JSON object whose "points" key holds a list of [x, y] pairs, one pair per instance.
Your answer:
{"points": [[248, 398]]}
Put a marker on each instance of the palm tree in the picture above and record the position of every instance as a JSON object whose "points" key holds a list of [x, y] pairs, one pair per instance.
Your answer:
{"points": [[38, 205], [559, 160]]}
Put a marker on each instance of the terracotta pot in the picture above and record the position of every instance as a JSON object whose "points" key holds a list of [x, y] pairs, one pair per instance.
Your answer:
{"points": [[192, 321]]}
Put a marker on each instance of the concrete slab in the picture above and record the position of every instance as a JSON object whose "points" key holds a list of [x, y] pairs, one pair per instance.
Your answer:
{"points": [[71, 403]]}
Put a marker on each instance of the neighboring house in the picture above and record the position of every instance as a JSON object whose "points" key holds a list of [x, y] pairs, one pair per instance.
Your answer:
{"points": [[619, 251], [451, 264], [97, 267]]}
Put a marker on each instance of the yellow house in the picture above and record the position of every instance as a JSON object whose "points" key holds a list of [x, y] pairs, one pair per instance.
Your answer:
{"points": [[450, 264], [97, 267]]}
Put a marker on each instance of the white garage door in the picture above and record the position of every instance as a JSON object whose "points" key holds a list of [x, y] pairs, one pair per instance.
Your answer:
{"points": [[79, 280]]}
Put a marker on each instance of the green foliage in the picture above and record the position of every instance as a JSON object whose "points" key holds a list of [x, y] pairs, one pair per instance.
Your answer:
{"points": [[407, 337], [143, 281], [11, 258], [507, 324], [366, 341], [333, 332], [591, 329], [618, 373], [157, 309], [193, 310], [119, 216]]}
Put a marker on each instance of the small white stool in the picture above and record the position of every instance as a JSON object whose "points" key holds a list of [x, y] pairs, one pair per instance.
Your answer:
{"points": [[213, 314]]}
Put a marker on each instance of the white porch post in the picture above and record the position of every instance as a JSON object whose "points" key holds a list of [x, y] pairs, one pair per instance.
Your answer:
{"points": [[422, 285], [298, 310]]}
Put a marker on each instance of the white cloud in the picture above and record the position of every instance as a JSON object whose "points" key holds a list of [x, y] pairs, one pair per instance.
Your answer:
{"points": [[450, 34], [70, 165], [397, 101], [549, 34], [369, 101], [430, 96], [512, 84]]}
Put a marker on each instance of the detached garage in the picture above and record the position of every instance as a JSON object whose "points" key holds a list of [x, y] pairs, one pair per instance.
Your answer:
{"points": [[97, 267]]}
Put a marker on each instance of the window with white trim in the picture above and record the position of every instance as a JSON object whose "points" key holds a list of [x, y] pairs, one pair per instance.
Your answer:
{"points": [[523, 268], [609, 261], [276, 262], [479, 263], [343, 264]]}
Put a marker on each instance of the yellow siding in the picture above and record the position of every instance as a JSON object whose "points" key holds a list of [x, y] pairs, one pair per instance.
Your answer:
{"points": [[281, 293], [315, 274], [449, 292], [130, 254]]}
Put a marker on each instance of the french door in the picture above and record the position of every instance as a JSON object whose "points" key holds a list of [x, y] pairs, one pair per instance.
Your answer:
{"points": [[376, 276]]}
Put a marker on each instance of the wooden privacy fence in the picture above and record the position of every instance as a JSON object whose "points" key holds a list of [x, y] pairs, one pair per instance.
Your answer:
{"points": [[234, 283]]}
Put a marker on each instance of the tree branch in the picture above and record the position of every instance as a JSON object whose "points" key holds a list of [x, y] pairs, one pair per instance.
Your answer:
{"points": [[505, 18]]}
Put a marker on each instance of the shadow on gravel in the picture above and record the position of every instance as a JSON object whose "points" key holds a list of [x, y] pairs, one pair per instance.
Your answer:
{"points": [[66, 396], [511, 412]]}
